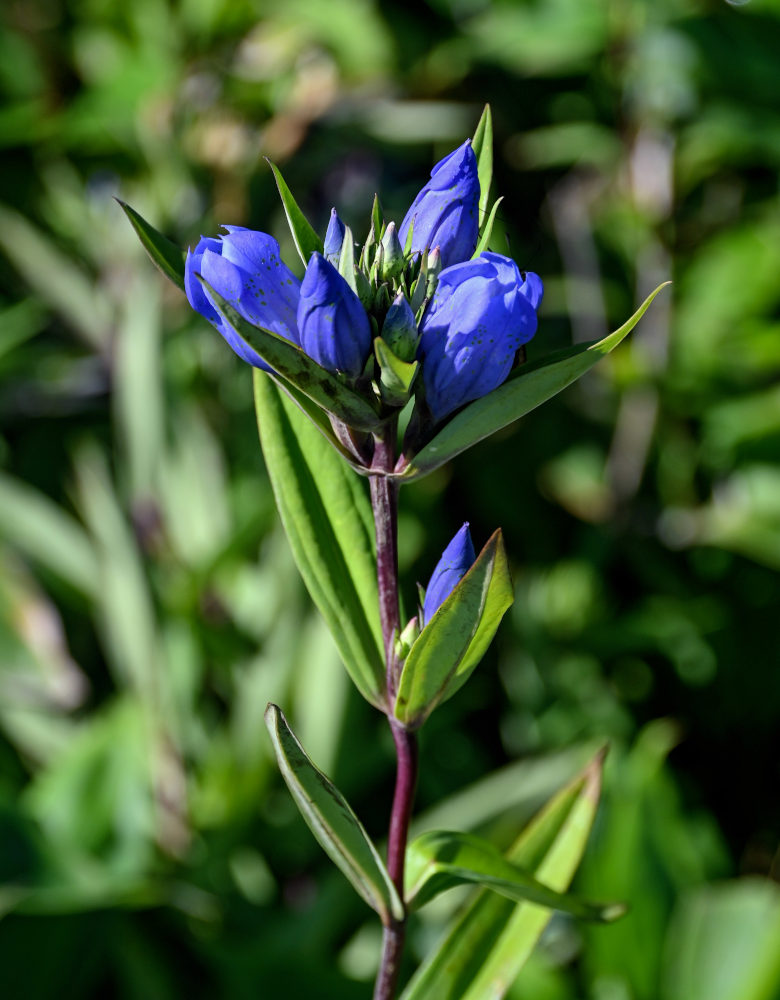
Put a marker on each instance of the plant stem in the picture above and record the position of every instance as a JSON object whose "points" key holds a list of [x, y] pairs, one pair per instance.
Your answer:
{"points": [[384, 501]]}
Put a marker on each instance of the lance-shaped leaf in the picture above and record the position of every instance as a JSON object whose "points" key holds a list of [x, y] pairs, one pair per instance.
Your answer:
{"points": [[455, 639], [327, 517], [305, 238], [490, 940], [441, 859], [332, 821], [164, 253], [482, 144], [289, 361], [525, 389], [347, 259]]}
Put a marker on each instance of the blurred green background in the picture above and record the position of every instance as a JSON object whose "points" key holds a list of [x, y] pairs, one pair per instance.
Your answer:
{"points": [[149, 607]]}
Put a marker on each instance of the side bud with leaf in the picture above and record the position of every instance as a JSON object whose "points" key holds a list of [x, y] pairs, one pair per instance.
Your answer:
{"points": [[383, 364]]}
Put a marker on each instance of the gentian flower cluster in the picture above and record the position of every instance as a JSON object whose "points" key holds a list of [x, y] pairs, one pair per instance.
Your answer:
{"points": [[419, 287]]}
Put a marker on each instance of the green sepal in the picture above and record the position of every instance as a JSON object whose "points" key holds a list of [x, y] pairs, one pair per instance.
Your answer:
{"points": [[397, 376], [526, 388], [327, 517], [323, 387], [332, 821], [454, 641], [441, 859], [304, 236], [377, 218], [490, 940], [164, 253], [482, 144], [347, 260], [487, 230], [409, 238]]}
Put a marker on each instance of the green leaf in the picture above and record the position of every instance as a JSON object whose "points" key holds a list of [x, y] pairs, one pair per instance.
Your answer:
{"points": [[526, 388], [377, 218], [487, 230], [327, 517], [455, 639], [165, 254], [332, 821], [306, 239], [441, 859], [321, 386], [397, 376], [347, 259], [490, 940], [482, 144]]}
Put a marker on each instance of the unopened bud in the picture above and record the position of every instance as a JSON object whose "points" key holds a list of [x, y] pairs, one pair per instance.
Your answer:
{"points": [[334, 238], [392, 254], [399, 331]]}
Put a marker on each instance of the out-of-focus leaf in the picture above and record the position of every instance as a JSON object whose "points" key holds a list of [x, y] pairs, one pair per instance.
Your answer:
{"points": [[455, 639], [293, 364], [332, 821], [164, 253], [524, 390], [57, 280], [48, 534], [441, 859], [722, 943], [306, 239], [327, 517], [487, 944], [482, 144]]}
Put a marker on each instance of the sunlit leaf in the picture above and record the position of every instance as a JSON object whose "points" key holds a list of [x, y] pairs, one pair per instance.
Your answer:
{"points": [[482, 144], [306, 239], [441, 859], [489, 941], [332, 821], [525, 389], [327, 517], [164, 253]]}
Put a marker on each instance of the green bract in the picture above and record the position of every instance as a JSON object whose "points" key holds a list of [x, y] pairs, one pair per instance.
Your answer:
{"points": [[454, 641]]}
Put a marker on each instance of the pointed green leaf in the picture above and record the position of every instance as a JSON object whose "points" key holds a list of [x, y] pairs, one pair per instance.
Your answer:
{"points": [[455, 639], [526, 388], [305, 238], [377, 218], [332, 821], [327, 517], [441, 859], [482, 144], [347, 259], [164, 253], [490, 940], [487, 231], [397, 376], [324, 388]]}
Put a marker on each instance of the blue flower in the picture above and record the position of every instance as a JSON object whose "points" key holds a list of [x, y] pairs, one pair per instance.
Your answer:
{"points": [[246, 269], [446, 211], [481, 313], [334, 238], [333, 325], [457, 559]]}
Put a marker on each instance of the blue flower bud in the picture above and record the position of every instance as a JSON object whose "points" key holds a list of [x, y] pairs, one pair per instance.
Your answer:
{"points": [[334, 238], [399, 330], [446, 211], [481, 313], [456, 560], [245, 268], [333, 325]]}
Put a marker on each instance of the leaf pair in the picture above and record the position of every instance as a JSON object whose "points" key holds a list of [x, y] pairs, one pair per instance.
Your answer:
{"points": [[491, 939]]}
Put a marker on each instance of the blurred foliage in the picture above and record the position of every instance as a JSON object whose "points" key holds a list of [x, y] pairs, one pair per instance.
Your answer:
{"points": [[149, 607]]}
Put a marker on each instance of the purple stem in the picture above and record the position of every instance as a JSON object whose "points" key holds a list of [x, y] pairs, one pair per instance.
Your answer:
{"points": [[384, 501]]}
